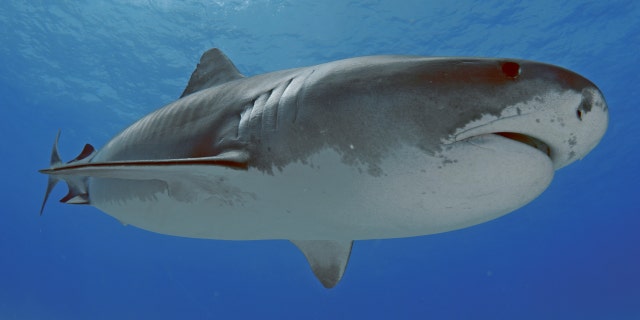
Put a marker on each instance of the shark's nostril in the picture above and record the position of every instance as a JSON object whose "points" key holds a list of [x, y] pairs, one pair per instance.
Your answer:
{"points": [[587, 101]]}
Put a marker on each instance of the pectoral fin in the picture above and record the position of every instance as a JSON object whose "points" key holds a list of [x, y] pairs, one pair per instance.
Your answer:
{"points": [[328, 259], [148, 169], [177, 172]]}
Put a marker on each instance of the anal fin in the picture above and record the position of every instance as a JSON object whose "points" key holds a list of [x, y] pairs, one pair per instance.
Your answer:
{"points": [[328, 258]]}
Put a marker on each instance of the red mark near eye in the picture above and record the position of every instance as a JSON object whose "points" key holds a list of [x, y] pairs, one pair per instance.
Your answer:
{"points": [[511, 69]]}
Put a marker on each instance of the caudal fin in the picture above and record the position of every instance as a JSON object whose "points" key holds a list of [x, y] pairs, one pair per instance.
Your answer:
{"points": [[78, 192]]}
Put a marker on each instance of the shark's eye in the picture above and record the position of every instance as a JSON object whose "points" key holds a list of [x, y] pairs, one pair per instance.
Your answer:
{"points": [[511, 69]]}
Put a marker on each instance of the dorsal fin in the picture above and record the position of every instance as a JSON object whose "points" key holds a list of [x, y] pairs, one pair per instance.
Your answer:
{"points": [[328, 259], [214, 68]]}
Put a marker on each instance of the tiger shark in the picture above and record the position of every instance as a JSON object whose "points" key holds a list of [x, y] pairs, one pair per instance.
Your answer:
{"points": [[364, 148]]}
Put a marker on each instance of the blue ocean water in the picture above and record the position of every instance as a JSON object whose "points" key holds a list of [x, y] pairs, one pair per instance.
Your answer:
{"points": [[91, 68]]}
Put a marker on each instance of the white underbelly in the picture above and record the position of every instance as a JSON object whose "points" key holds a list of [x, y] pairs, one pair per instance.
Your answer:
{"points": [[415, 194]]}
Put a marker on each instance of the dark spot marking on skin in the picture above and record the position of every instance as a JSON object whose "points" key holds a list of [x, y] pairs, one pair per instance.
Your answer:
{"points": [[587, 101], [511, 69], [579, 114], [537, 120], [447, 161]]}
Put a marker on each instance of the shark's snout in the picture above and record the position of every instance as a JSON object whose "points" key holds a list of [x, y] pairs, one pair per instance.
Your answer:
{"points": [[565, 119], [593, 116]]}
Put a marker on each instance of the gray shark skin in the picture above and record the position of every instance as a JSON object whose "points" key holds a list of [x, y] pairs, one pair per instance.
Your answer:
{"points": [[364, 148]]}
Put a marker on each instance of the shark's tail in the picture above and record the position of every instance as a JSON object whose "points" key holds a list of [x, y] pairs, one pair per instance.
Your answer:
{"points": [[78, 191]]}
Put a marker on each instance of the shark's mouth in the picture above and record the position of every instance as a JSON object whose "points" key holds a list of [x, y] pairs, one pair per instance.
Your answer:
{"points": [[528, 140]]}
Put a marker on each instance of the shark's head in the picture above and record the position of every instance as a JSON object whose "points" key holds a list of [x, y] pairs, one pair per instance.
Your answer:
{"points": [[564, 114], [441, 101], [480, 137]]}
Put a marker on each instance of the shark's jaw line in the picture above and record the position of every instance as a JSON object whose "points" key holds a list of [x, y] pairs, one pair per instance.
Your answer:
{"points": [[528, 140]]}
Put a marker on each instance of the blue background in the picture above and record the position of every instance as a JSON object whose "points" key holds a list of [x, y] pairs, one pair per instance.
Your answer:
{"points": [[91, 68]]}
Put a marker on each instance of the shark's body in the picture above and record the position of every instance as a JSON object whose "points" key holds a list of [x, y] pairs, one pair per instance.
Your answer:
{"points": [[363, 148]]}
